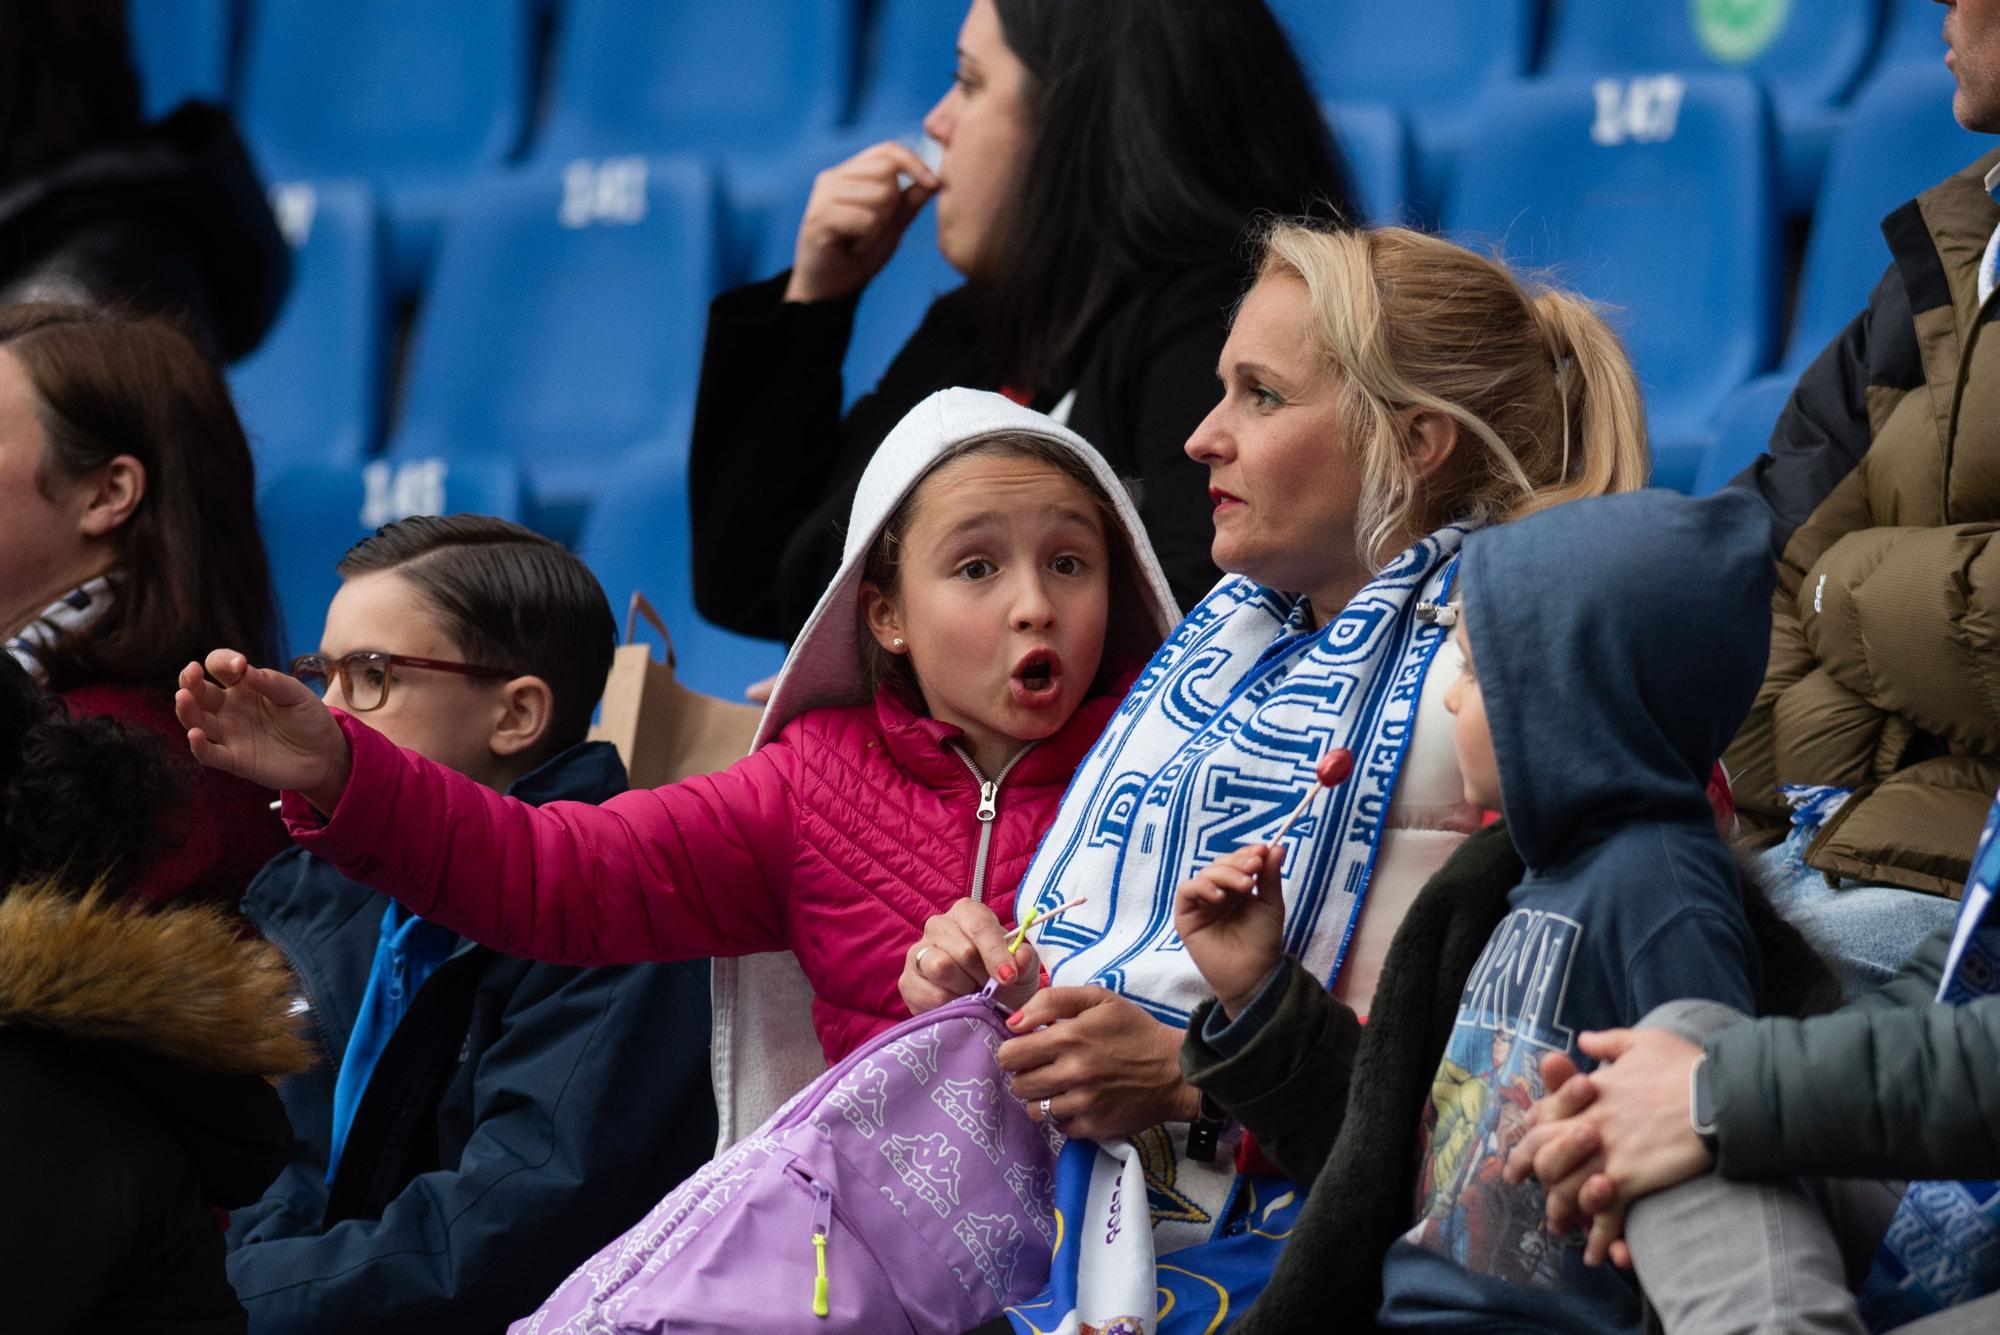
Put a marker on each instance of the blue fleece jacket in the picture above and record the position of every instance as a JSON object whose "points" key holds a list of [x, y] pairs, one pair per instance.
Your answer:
{"points": [[1617, 644]]}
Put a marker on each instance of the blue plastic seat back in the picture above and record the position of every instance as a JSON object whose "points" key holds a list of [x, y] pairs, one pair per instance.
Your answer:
{"points": [[1654, 196], [312, 391], [1436, 57], [387, 90], [1809, 53], [312, 513], [1376, 147], [637, 540], [182, 50], [1743, 430], [566, 319], [675, 75], [1900, 139], [907, 63], [1914, 33]]}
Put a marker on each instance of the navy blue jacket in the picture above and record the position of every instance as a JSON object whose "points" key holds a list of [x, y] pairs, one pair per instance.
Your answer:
{"points": [[521, 1115], [1617, 644]]}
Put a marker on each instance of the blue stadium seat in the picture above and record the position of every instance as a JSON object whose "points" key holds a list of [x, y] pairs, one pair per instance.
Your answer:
{"points": [[1900, 139], [312, 391], [893, 305], [1914, 33], [385, 90], [907, 62], [1376, 147], [636, 539], [312, 513], [565, 322], [182, 50], [1654, 196], [1742, 430], [1809, 56], [748, 77], [1434, 61], [415, 98]]}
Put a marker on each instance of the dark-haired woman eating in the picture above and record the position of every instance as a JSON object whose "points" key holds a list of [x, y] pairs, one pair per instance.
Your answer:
{"points": [[1101, 162]]}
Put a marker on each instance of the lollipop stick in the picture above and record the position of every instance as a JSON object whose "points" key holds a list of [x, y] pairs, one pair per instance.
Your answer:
{"points": [[1312, 791], [1331, 771], [1035, 915]]}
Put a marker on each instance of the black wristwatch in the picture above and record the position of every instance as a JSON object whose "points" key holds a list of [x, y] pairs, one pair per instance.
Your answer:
{"points": [[1701, 1104], [1206, 1129]]}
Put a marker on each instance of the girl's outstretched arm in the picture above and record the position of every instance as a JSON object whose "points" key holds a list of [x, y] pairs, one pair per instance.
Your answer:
{"points": [[693, 869]]}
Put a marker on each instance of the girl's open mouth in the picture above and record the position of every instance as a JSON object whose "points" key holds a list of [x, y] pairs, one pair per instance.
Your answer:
{"points": [[1037, 679], [1220, 498]]}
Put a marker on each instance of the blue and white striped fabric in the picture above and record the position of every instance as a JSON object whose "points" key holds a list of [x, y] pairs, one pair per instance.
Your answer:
{"points": [[1943, 1246], [1214, 745], [65, 616]]}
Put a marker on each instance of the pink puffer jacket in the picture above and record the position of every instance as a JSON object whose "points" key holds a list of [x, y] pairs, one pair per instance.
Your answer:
{"points": [[835, 840]]}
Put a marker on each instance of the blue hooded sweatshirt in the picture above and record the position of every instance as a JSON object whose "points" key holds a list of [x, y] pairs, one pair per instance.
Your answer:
{"points": [[1617, 643]]}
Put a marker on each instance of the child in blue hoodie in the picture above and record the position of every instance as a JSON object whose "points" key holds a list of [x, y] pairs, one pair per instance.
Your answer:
{"points": [[1612, 647]]}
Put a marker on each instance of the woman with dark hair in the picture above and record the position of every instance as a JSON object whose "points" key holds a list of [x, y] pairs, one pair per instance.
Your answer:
{"points": [[96, 205], [136, 1048], [128, 543], [1101, 161]]}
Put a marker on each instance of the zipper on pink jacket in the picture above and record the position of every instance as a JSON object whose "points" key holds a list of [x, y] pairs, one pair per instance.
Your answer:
{"points": [[989, 811]]}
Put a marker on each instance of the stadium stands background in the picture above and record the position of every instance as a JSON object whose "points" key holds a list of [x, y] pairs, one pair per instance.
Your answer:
{"points": [[509, 217]]}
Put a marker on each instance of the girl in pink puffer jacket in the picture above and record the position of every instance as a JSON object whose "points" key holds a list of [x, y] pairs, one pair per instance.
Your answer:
{"points": [[996, 592]]}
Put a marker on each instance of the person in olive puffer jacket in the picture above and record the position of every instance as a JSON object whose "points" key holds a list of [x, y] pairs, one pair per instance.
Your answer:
{"points": [[1876, 736]]}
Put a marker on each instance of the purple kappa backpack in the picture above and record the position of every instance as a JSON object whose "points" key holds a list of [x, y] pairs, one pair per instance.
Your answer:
{"points": [[904, 1191]]}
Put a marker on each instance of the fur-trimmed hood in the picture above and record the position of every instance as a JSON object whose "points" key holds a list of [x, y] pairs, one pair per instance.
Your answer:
{"points": [[181, 983]]}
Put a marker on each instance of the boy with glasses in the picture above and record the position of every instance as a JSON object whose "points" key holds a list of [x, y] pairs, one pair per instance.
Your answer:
{"points": [[480, 1122]]}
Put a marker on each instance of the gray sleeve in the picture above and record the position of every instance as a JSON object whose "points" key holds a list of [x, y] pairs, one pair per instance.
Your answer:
{"points": [[1894, 1086]]}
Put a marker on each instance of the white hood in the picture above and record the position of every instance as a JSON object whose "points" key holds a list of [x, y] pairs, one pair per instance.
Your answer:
{"points": [[824, 666]]}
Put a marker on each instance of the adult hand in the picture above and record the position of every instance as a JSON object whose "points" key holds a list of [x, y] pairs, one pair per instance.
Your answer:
{"points": [[855, 217], [1107, 1067], [263, 726], [1619, 1137], [1231, 918], [960, 949]]}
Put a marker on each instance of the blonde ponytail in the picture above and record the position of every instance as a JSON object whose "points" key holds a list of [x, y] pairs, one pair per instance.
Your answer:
{"points": [[1604, 416]]}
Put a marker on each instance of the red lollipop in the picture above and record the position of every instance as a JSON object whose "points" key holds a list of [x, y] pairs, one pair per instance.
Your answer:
{"points": [[1334, 767], [1332, 770]]}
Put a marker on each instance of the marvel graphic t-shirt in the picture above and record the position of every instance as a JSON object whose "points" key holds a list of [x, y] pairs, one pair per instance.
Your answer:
{"points": [[1580, 953]]}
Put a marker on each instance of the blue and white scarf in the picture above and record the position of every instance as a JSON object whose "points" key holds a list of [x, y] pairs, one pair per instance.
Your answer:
{"points": [[1213, 746], [65, 616], [1943, 1246]]}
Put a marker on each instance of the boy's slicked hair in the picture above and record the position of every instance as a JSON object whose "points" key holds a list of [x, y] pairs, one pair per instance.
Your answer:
{"points": [[511, 598]]}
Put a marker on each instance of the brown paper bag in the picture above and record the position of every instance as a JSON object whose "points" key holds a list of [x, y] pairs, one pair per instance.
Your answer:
{"points": [[663, 731]]}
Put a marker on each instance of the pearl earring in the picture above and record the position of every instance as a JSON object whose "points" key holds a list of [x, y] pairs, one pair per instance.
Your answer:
{"points": [[897, 644]]}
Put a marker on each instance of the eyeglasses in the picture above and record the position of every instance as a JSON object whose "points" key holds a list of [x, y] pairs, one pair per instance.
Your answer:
{"points": [[364, 677]]}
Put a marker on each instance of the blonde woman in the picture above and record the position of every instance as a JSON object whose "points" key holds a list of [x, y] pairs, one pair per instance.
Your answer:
{"points": [[1383, 393]]}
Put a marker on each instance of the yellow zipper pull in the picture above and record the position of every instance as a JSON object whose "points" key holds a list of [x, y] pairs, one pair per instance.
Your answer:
{"points": [[822, 1225]]}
